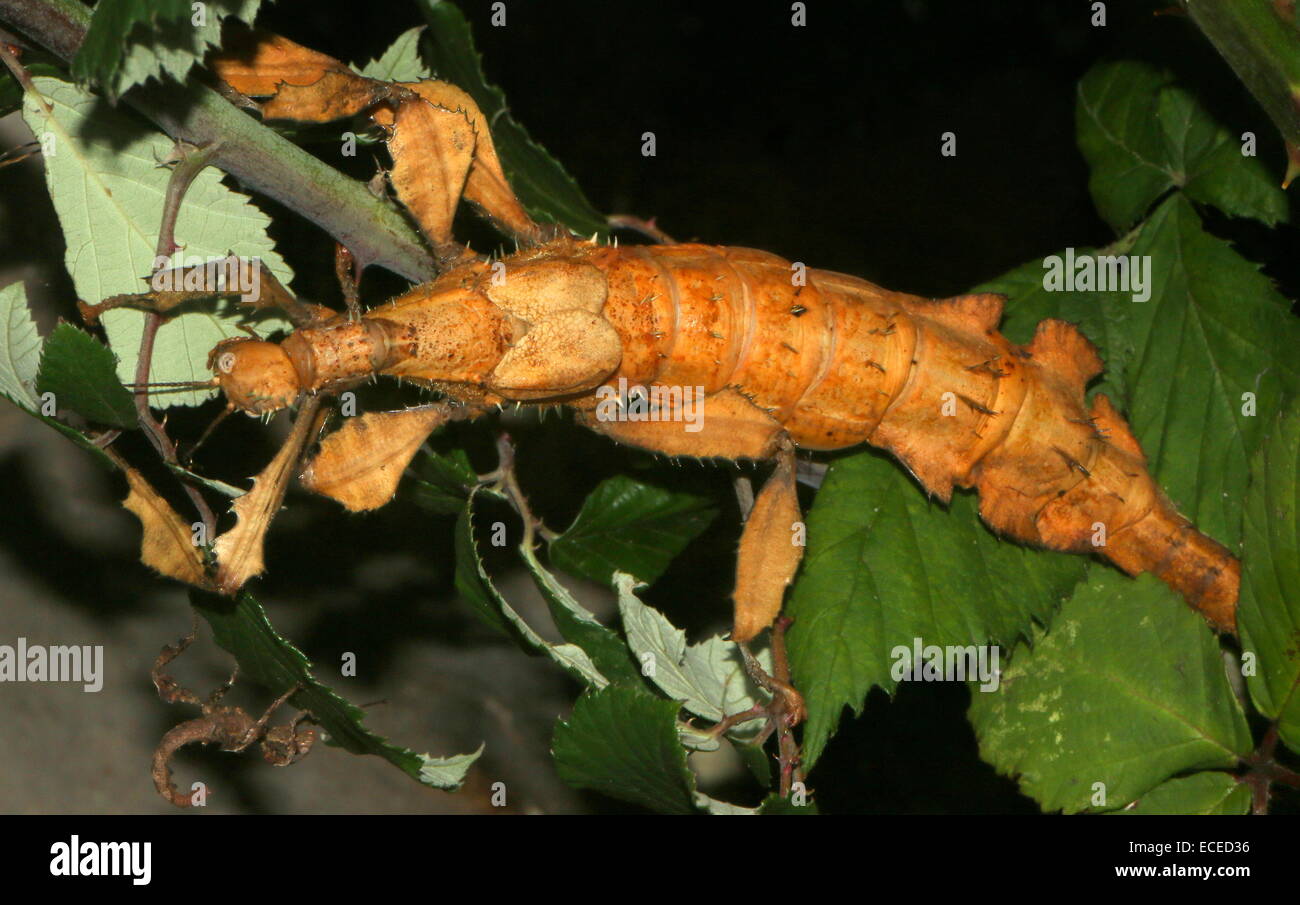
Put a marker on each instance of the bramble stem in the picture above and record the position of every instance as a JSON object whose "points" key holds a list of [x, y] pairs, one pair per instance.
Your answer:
{"points": [[372, 228]]}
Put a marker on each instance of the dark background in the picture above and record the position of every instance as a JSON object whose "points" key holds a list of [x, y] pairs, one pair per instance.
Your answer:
{"points": [[818, 143]]}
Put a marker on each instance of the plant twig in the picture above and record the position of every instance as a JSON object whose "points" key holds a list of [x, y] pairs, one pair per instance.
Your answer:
{"points": [[373, 229], [191, 162]]}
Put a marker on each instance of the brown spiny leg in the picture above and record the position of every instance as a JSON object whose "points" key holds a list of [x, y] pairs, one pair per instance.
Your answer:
{"points": [[732, 427], [786, 709], [287, 744], [239, 550], [230, 727], [168, 688], [348, 274], [176, 286], [258, 729], [769, 553]]}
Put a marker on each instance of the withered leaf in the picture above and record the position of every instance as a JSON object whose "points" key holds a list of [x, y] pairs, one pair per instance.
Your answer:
{"points": [[167, 544], [334, 95], [361, 463]]}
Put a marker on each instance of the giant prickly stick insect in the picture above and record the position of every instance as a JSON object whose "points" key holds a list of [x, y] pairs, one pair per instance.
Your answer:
{"points": [[822, 363]]}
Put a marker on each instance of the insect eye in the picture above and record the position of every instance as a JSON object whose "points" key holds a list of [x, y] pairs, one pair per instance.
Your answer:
{"points": [[226, 363]]}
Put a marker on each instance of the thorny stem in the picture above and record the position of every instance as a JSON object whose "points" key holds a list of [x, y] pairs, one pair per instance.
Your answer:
{"points": [[508, 483], [372, 228], [785, 710], [8, 54], [191, 162], [1263, 771], [181, 177]]}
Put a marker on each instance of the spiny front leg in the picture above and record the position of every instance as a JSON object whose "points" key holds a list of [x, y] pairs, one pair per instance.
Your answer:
{"points": [[242, 279]]}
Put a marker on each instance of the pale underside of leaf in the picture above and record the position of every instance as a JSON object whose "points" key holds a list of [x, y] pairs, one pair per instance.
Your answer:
{"points": [[104, 177], [709, 678], [20, 347]]}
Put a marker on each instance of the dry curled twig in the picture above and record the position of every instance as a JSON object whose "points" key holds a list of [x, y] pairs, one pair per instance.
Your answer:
{"points": [[230, 727]]}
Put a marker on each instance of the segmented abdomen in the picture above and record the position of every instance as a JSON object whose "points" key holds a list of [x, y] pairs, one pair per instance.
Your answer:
{"points": [[826, 354], [839, 361]]}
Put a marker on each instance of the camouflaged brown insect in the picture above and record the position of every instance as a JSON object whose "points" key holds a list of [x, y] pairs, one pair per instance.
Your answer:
{"points": [[781, 358]]}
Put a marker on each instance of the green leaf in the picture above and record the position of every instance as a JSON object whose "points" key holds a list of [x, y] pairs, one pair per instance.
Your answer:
{"points": [[578, 625], [623, 742], [628, 526], [1269, 613], [241, 627], [1215, 329], [1210, 166], [1121, 140], [131, 41], [79, 371], [1201, 793], [401, 62], [708, 678], [20, 351], [473, 583], [103, 176], [1136, 157], [100, 56], [443, 481], [546, 190], [1126, 689], [20, 348], [885, 566]]}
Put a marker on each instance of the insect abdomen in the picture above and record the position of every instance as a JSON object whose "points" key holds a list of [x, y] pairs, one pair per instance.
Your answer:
{"points": [[839, 361]]}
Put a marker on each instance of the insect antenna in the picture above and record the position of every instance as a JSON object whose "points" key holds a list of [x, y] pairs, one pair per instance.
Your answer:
{"points": [[188, 456], [174, 386]]}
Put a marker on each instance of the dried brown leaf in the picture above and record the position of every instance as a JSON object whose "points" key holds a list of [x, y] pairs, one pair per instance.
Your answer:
{"points": [[486, 186], [432, 149], [335, 95], [167, 545]]}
